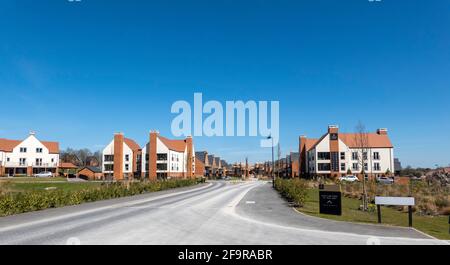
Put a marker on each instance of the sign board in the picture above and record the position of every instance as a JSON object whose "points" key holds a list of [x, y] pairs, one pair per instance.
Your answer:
{"points": [[401, 201], [330, 202]]}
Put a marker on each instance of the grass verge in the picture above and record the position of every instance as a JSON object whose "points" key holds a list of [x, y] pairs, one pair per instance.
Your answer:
{"points": [[436, 226]]}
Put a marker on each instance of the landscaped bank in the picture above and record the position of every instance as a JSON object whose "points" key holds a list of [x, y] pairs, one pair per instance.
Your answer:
{"points": [[21, 202], [306, 196]]}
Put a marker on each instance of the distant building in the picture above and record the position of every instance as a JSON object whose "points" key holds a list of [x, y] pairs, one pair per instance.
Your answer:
{"points": [[336, 153], [121, 158], [397, 166], [164, 158], [28, 157]]}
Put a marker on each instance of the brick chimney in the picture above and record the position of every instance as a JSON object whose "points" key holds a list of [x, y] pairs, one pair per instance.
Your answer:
{"points": [[382, 131], [302, 154], [118, 156], [333, 129], [190, 154], [152, 151]]}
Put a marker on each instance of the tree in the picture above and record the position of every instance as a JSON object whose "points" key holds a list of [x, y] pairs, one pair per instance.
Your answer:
{"points": [[362, 147]]}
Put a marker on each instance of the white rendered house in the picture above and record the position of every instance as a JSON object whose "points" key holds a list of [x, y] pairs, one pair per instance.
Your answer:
{"points": [[336, 154], [28, 157]]}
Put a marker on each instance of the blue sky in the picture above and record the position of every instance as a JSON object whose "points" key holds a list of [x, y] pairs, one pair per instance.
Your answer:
{"points": [[78, 72]]}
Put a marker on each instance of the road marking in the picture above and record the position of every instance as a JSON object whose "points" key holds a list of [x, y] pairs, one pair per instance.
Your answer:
{"points": [[124, 204], [250, 202], [232, 211]]}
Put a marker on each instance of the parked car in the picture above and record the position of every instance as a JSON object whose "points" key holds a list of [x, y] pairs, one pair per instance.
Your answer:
{"points": [[385, 180], [348, 178], [44, 174]]}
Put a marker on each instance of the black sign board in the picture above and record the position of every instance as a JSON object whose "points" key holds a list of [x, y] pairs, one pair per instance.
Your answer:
{"points": [[330, 202]]}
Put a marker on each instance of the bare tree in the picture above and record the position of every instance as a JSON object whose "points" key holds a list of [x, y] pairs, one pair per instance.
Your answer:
{"points": [[362, 148]]}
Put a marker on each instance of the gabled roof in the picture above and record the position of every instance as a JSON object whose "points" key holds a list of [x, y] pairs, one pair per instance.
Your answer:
{"points": [[174, 145], [132, 144], [310, 143], [7, 145], [374, 140], [93, 169], [67, 165]]}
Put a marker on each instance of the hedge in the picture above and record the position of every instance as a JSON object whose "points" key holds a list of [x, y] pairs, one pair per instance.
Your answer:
{"points": [[294, 190], [16, 203]]}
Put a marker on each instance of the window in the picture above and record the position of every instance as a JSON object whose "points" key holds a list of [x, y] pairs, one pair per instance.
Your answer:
{"points": [[38, 161], [366, 167], [161, 157], [323, 156], [38, 150], [127, 167], [355, 156], [127, 158], [365, 155], [355, 167], [7, 159], [109, 158], [334, 136], [342, 155], [324, 166], [342, 166], [376, 156], [335, 161], [53, 160], [109, 167], [376, 167], [23, 149], [22, 161], [161, 166]]}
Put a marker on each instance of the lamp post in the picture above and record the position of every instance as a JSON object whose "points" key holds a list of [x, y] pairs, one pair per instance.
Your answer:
{"points": [[273, 163]]}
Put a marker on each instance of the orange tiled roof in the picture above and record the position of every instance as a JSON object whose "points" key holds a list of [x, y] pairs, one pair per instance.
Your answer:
{"points": [[310, 143], [374, 140], [174, 145], [67, 165], [131, 144], [7, 145]]}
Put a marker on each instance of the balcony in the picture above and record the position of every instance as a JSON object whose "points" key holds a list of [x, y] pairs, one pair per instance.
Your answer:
{"points": [[45, 164]]}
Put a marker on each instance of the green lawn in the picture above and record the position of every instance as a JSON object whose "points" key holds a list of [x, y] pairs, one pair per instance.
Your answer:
{"points": [[435, 226]]}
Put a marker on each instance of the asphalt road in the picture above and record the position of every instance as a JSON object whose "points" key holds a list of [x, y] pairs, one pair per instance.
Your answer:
{"points": [[213, 213]]}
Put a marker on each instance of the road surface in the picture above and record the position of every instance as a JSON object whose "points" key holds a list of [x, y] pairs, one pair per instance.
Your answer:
{"points": [[212, 213]]}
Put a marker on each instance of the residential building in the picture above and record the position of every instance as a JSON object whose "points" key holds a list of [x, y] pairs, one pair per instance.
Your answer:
{"points": [[121, 159], [336, 154], [164, 158], [28, 157], [90, 173]]}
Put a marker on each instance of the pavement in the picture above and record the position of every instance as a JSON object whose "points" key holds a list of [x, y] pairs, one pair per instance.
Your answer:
{"points": [[221, 213]]}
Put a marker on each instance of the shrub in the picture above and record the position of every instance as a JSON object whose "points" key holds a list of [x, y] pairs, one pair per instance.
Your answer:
{"points": [[15, 203], [294, 190]]}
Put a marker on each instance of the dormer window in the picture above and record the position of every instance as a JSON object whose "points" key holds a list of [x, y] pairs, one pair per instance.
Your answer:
{"points": [[23, 149]]}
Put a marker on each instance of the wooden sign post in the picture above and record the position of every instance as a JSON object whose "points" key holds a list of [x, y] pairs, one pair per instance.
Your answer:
{"points": [[400, 201]]}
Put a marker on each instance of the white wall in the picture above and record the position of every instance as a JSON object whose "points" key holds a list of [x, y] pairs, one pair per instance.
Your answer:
{"points": [[109, 150], [386, 160], [31, 143]]}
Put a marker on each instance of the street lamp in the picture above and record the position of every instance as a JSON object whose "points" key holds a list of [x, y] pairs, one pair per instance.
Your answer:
{"points": [[273, 163]]}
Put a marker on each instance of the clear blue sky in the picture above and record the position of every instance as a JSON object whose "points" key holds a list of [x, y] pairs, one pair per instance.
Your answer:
{"points": [[78, 72]]}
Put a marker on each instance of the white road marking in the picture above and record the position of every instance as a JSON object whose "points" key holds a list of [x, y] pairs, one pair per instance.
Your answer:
{"points": [[124, 204]]}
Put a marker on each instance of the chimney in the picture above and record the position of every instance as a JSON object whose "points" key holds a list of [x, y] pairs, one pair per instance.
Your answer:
{"points": [[189, 150], [32, 133], [333, 129], [382, 131], [118, 156], [152, 154]]}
